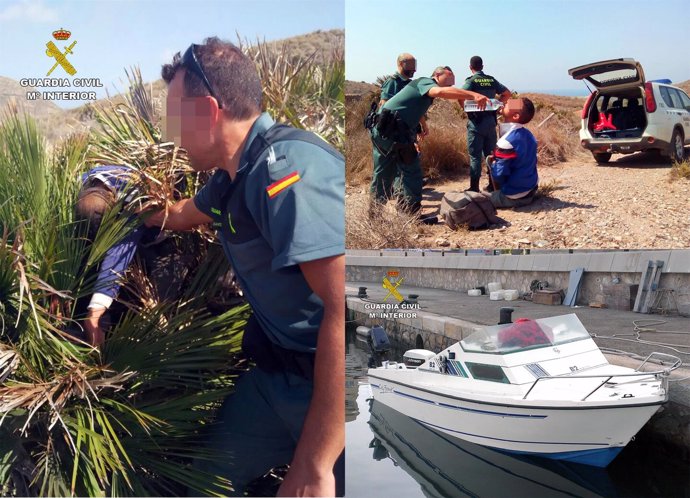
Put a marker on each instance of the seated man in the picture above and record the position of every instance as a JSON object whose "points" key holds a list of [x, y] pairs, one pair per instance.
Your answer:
{"points": [[514, 163]]}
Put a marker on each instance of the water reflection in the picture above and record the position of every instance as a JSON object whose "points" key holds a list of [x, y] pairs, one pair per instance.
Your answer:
{"points": [[450, 467]]}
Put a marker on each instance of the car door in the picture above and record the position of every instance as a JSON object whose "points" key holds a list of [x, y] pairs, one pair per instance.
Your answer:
{"points": [[613, 74], [666, 117], [685, 112]]}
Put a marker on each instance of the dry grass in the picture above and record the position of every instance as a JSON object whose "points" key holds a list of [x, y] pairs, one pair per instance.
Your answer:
{"points": [[548, 187], [444, 154], [680, 171], [358, 152], [444, 151], [374, 226]]}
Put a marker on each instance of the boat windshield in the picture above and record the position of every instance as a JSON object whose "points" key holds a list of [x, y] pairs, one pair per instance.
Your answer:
{"points": [[526, 334]]}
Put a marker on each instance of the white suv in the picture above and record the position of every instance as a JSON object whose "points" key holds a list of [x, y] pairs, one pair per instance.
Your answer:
{"points": [[625, 114]]}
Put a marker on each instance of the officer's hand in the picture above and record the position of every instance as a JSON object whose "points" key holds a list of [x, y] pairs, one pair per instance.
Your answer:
{"points": [[94, 333], [153, 218], [299, 482], [481, 101]]}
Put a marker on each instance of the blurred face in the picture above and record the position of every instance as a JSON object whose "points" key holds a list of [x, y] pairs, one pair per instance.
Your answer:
{"points": [[512, 110], [408, 67], [446, 78], [192, 122]]}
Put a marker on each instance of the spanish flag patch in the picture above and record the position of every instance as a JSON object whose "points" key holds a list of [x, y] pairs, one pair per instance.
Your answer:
{"points": [[276, 187]]}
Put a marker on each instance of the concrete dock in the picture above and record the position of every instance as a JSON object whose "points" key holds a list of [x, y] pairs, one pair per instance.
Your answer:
{"points": [[446, 316]]}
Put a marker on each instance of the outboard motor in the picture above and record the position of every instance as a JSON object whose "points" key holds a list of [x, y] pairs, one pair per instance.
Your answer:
{"points": [[415, 357], [378, 340]]}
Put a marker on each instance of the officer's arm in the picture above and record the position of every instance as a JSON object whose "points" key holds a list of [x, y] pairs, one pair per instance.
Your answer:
{"points": [[452, 93], [386, 91], [323, 434], [504, 96], [183, 215]]}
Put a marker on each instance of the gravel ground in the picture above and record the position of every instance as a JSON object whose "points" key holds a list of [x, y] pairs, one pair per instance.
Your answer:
{"points": [[628, 204]]}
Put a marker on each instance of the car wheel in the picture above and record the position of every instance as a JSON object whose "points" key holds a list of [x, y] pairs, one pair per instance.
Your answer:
{"points": [[677, 151], [601, 157]]}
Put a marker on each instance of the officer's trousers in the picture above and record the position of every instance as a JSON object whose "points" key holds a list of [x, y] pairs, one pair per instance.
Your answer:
{"points": [[481, 141], [387, 164], [258, 428]]}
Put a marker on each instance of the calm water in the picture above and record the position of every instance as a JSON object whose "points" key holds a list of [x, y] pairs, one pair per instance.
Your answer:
{"points": [[389, 454]]}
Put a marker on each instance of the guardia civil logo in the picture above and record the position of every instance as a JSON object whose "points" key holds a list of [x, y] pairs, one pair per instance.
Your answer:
{"points": [[56, 79], [59, 56], [391, 282]]}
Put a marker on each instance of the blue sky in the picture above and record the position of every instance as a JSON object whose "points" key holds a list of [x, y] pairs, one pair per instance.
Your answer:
{"points": [[112, 35], [525, 44]]}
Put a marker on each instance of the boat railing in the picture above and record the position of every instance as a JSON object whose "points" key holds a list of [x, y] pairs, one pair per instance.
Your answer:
{"points": [[662, 375]]}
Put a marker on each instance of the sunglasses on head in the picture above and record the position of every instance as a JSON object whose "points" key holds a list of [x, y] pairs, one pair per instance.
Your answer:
{"points": [[191, 63]]}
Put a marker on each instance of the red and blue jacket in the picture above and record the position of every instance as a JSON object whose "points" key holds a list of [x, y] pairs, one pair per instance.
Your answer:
{"points": [[515, 165]]}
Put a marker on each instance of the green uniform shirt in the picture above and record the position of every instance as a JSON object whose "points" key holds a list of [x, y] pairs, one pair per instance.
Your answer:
{"points": [[392, 86], [484, 84], [283, 209], [413, 101]]}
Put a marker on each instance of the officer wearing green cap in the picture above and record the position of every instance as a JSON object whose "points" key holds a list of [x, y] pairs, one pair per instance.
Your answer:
{"points": [[481, 126], [394, 135]]}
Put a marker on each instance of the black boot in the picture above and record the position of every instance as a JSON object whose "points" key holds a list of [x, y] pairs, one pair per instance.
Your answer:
{"points": [[474, 185]]}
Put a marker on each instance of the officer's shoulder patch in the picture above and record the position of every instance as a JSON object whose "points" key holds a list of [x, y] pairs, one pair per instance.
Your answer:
{"points": [[278, 186]]}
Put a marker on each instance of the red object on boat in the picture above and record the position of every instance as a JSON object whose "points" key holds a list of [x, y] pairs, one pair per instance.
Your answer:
{"points": [[524, 332]]}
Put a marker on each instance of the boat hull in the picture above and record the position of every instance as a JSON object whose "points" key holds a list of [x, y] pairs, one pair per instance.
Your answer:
{"points": [[587, 435]]}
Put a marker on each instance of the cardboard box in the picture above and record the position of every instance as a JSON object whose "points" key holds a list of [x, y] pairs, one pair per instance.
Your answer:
{"points": [[548, 296]]}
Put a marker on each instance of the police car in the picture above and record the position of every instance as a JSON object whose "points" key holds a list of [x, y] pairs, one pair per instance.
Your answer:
{"points": [[625, 114]]}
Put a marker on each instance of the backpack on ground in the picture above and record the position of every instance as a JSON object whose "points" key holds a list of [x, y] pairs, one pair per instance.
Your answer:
{"points": [[471, 209]]}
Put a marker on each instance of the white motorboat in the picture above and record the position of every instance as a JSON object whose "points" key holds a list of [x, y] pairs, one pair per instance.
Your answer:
{"points": [[539, 387]]}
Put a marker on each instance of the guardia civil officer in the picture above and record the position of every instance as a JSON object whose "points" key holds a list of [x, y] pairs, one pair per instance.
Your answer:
{"points": [[481, 126], [394, 134], [407, 66], [277, 203]]}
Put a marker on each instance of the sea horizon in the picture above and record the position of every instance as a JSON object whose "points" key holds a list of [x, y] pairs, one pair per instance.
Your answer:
{"points": [[583, 92]]}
